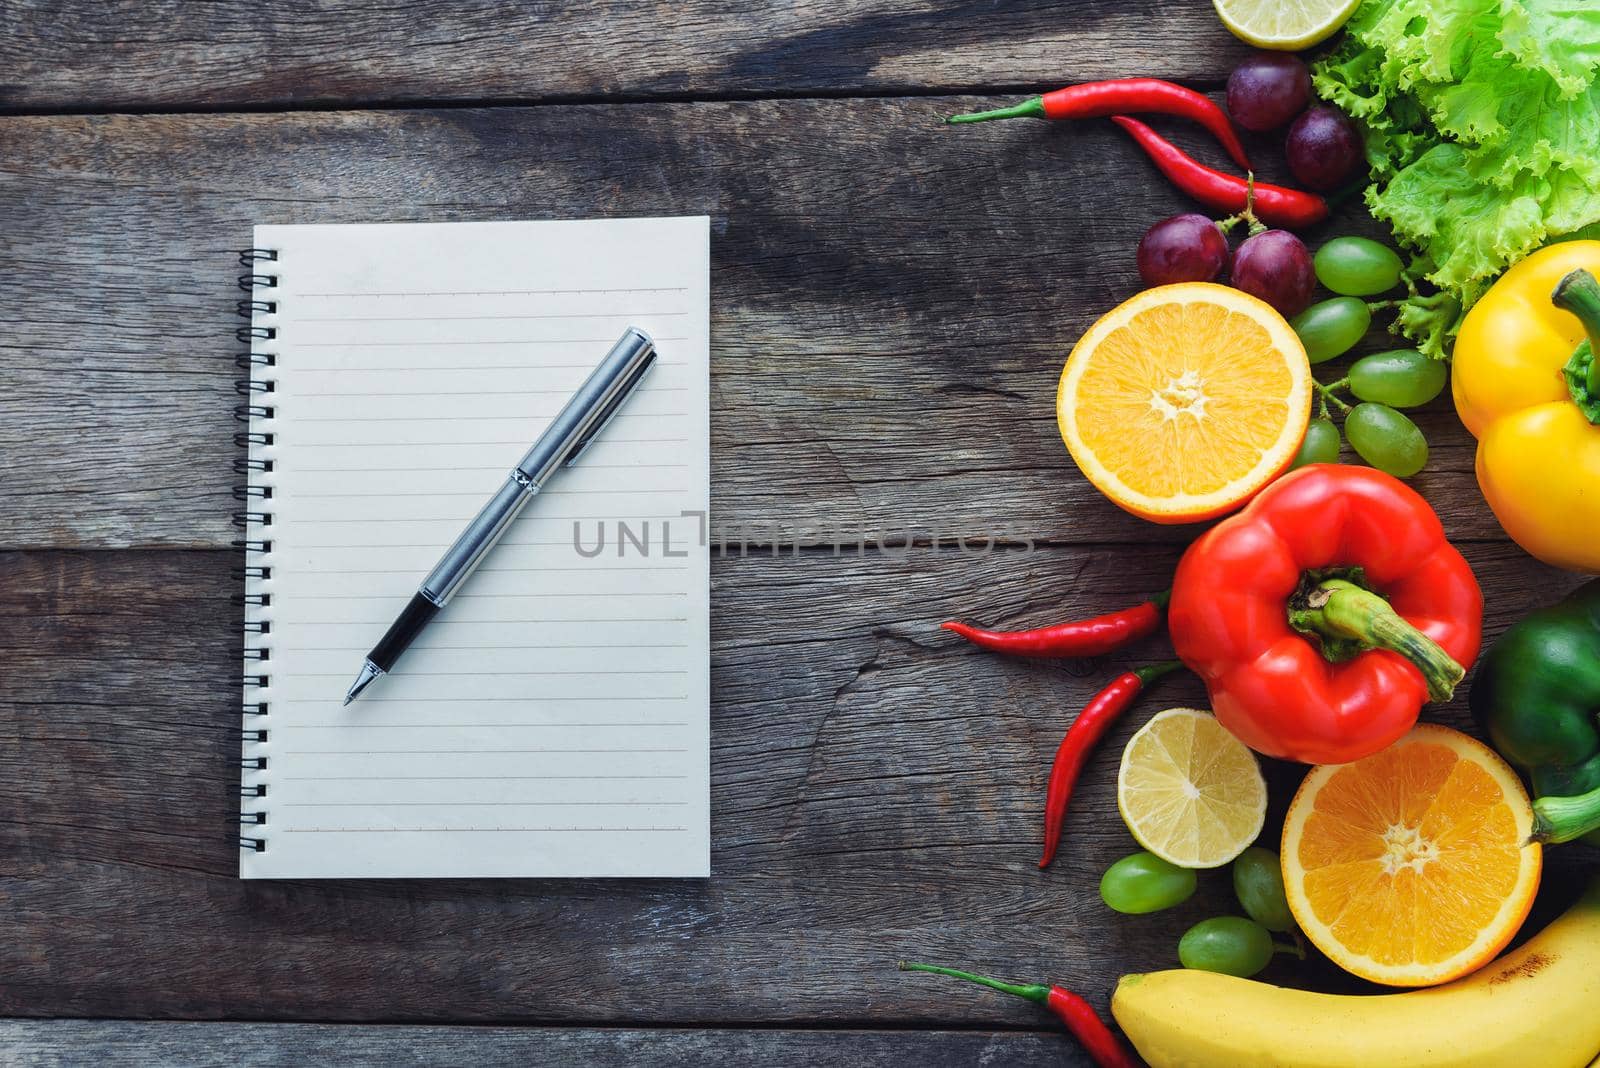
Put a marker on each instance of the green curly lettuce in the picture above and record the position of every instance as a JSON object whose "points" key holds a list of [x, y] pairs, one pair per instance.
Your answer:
{"points": [[1482, 129]]}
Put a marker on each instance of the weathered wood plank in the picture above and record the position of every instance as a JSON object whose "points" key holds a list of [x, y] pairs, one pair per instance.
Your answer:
{"points": [[114, 1043], [892, 299], [875, 794], [170, 54]]}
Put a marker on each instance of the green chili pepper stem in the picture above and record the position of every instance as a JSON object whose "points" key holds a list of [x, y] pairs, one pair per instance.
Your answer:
{"points": [[1151, 672], [1561, 819], [1340, 609], [1033, 107], [1579, 293], [1160, 599], [1036, 992]]}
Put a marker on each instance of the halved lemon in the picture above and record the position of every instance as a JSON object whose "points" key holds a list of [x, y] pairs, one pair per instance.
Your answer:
{"points": [[1409, 867], [1183, 402], [1285, 25], [1190, 792]]}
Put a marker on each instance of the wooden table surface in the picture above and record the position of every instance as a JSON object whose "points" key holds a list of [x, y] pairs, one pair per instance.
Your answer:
{"points": [[891, 303]]}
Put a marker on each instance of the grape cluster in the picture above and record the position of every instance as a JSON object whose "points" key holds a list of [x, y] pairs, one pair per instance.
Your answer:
{"points": [[1382, 383], [1266, 92]]}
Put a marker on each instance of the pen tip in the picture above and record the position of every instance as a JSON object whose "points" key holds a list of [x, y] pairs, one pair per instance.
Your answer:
{"points": [[369, 671]]}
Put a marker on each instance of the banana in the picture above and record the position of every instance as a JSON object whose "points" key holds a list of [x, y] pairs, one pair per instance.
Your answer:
{"points": [[1539, 1005]]}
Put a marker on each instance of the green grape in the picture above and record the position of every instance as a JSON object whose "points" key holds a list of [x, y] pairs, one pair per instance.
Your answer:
{"points": [[1258, 884], [1403, 378], [1332, 327], [1357, 266], [1143, 882], [1321, 444], [1231, 945], [1386, 439]]}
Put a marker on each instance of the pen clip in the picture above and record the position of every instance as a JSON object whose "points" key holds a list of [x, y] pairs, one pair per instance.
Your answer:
{"points": [[612, 408]]}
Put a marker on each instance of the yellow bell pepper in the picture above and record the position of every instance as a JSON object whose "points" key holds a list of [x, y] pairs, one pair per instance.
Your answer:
{"points": [[1538, 452]]}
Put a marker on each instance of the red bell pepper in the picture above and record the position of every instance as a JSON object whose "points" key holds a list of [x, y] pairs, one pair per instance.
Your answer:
{"points": [[1324, 614]]}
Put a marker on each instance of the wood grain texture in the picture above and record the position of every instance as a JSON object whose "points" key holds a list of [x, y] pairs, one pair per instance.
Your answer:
{"points": [[135, 1044], [175, 55], [876, 792], [892, 300]]}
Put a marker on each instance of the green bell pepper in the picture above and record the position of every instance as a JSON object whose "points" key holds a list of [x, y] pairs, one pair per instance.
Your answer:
{"points": [[1537, 694]]}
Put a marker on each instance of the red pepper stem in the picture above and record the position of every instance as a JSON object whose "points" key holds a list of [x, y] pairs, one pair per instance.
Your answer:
{"points": [[1033, 108], [1579, 293], [1341, 610], [1035, 992], [1151, 672]]}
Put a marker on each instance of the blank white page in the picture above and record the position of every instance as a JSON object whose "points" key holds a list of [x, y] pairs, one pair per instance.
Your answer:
{"points": [[553, 720]]}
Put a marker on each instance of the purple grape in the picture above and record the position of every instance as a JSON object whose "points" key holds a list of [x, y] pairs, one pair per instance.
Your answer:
{"points": [[1275, 266], [1324, 148], [1267, 90], [1184, 248]]}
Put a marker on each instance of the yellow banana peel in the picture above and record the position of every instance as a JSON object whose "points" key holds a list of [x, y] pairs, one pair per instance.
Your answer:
{"points": [[1539, 1005]]}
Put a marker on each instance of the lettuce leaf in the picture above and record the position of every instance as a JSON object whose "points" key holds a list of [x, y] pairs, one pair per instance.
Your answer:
{"points": [[1482, 121], [1559, 37]]}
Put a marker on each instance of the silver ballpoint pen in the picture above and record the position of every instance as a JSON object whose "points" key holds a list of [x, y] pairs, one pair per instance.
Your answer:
{"points": [[571, 432]]}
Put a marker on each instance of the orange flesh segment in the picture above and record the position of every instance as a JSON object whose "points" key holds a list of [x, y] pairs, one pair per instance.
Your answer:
{"points": [[1173, 352], [1411, 863]]}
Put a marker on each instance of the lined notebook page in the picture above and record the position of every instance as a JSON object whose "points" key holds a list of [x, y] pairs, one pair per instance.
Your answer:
{"points": [[553, 720]]}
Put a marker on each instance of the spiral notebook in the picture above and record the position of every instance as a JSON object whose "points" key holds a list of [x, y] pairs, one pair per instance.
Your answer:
{"points": [[553, 720]]}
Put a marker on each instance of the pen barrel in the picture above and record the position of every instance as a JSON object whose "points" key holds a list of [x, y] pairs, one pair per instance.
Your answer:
{"points": [[475, 542], [589, 409]]}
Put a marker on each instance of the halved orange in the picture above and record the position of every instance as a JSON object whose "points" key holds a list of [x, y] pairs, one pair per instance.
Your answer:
{"points": [[1182, 402], [1409, 867]]}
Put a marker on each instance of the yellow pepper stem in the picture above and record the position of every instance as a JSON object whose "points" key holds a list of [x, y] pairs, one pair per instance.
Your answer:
{"points": [[1579, 294]]}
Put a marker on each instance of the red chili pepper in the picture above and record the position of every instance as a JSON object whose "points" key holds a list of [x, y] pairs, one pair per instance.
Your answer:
{"points": [[1084, 637], [1097, 100], [1274, 205], [1092, 723], [1085, 1025]]}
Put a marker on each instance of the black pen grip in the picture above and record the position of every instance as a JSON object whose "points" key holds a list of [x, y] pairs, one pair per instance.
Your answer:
{"points": [[402, 632]]}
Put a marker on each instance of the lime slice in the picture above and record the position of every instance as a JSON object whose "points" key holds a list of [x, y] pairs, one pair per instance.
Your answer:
{"points": [[1284, 25], [1190, 792]]}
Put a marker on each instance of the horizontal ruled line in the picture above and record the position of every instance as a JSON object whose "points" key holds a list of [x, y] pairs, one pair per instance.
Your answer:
{"points": [[500, 292], [490, 596], [499, 674], [420, 648], [488, 622], [480, 804], [447, 519], [459, 778], [591, 569], [435, 546], [410, 470], [477, 318], [454, 418], [523, 442], [389, 368], [482, 830], [482, 392], [480, 493], [511, 341], [480, 700], [460, 752], [467, 726]]}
